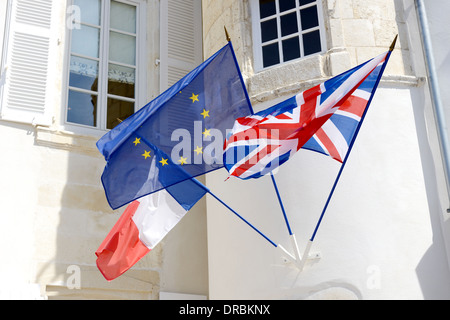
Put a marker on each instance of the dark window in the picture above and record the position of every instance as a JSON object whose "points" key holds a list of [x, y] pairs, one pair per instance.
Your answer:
{"points": [[309, 18], [271, 55], [291, 49], [269, 30], [287, 5], [311, 42], [290, 29], [267, 8], [289, 24]]}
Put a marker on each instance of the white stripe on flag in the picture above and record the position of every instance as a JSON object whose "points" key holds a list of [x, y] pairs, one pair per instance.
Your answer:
{"points": [[336, 137], [156, 215], [329, 104]]}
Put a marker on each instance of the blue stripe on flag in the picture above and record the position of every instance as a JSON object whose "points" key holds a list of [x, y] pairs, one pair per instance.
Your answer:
{"points": [[346, 126]]}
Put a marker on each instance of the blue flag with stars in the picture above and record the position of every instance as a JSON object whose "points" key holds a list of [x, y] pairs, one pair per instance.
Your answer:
{"points": [[177, 136]]}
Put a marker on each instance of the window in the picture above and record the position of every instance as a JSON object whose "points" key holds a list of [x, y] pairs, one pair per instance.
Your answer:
{"points": [[285, 30], [103, 74]]}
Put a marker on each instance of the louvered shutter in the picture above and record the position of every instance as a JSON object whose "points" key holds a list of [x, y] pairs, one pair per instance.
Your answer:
{"points": [[181, 39], [25, 95]]}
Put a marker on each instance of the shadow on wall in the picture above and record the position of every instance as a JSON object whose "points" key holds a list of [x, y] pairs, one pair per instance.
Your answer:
{"points": [[433, 269], [72, 219]]}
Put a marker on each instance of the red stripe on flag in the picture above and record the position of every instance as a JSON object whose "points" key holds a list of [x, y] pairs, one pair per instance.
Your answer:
{"points": [[328, 144], [355, 105], [122, 248], [249, 163]]}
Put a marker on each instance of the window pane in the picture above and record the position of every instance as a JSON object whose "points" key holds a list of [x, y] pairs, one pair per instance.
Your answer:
{"points": [[123, 17], [311, 42], [121, 81], [82, 108], [269, 30], [90, 11], [271, 55], [267, 8], [122, 48], [303, 2], [118, 111], [287, 5], [291, 49], [86, 41], [309, 17], [83, 73], [289, 24]]}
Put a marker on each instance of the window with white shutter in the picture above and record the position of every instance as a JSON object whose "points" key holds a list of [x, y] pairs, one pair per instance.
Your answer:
{"points": [[29, 48], [181, 39], [106, 58]]}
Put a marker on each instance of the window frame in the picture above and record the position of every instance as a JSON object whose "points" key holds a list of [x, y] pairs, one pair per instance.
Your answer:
{"points": [[103, 95], [257, 41]]}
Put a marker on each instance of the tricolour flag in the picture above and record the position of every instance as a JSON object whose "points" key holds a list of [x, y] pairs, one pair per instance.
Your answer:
{"points": [[261, 142], [182, 123], [144, 223]]}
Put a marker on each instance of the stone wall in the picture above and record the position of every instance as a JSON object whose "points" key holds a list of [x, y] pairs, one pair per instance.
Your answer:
{"points": [[356, 30]]}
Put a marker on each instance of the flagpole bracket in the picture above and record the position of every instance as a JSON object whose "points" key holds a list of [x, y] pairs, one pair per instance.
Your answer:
{"points": [[289, 260]]}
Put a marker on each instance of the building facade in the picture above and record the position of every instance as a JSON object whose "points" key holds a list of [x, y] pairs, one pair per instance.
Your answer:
{"points": [[71, 70]]}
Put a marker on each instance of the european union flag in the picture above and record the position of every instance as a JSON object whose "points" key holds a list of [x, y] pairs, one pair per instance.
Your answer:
{"points": [[177, 136]]}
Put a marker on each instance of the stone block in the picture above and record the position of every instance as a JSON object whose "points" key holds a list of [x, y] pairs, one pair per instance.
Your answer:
{"points": [[358, 33]]}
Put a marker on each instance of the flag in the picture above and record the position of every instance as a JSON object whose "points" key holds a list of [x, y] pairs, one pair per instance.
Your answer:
{"points": [[261, 142], [144, 223], [188, 123], [335, 136]]}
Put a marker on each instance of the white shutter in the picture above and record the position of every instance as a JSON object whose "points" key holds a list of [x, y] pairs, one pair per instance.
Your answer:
{"points": [[25, 95], [181, 39]]}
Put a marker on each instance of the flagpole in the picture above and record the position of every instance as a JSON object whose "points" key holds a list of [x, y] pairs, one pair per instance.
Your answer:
{"points": [[348, 153], [293, 240], [220, 200], [284, 251], [291, 234], [240, 217], [227, 35]]}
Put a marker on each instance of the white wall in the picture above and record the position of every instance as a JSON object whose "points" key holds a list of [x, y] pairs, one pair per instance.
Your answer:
{"points": [[438, 29], [376, 240]]}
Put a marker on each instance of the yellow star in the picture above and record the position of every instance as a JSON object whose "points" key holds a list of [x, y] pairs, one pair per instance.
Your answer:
{"points": [[182, 161], [205, 113], [146, 154], [164, 162], [137, 141], [194, 98], [198, 150], [207, 132]]}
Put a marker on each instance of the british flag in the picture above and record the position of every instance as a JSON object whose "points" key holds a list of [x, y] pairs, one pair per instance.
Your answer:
{"points": [[323, 119]]}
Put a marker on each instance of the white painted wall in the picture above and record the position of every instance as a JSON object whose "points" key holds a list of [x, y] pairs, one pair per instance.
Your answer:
{"points": [[376, 240], [385, 234]]}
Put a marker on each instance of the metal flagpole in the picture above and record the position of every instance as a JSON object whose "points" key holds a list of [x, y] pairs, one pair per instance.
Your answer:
{"points": [[240, 217], [293, 240], [285, 252], [291, 234], [308, 246]]}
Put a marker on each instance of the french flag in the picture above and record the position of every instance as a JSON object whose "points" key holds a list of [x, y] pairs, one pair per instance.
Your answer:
{"points": [[144, 223]]}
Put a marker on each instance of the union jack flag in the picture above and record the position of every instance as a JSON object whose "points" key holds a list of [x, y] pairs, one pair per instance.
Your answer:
{"points": [[323, 119]]}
